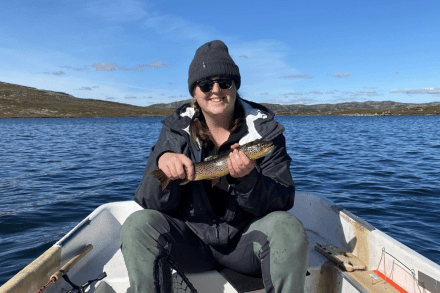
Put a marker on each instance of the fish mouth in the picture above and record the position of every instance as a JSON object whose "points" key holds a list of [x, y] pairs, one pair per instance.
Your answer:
{"points": [[268, 147], [262, 144], [265, 144], [261, 148]]}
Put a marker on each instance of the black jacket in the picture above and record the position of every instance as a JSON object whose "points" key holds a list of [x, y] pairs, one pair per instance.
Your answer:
{"points": [[259, 193]]}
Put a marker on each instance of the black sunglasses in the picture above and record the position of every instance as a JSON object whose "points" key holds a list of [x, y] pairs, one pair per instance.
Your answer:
{"points": [[207, 84]]}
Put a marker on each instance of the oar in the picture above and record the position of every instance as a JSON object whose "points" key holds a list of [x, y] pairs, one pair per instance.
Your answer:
{"points": [[64, 269]]}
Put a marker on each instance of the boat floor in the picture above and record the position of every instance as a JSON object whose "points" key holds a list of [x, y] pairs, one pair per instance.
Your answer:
{"points": [[210, 281]]}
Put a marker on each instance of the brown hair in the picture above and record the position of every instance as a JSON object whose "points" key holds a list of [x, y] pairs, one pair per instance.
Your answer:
{"points": [[198, 128]]}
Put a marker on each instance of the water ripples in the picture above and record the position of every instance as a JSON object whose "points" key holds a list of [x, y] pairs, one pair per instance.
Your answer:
{"points": [[384, 169], [54, 172]]}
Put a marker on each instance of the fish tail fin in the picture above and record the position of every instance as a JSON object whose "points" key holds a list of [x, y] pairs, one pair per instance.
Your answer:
{"points": [[184, 181], [163, 179]]}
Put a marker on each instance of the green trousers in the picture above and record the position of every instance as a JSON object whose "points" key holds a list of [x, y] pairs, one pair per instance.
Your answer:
{"points": [[275, 246]]}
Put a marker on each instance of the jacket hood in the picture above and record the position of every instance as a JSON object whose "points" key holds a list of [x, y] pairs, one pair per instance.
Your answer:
{"points": [[259, 121]]}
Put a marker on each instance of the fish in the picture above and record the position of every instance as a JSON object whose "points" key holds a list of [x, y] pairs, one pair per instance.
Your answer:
{"points": [[214, 167]]}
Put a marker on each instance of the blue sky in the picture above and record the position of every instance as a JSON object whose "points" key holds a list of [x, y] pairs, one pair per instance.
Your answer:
{"points": [[288, 52]]}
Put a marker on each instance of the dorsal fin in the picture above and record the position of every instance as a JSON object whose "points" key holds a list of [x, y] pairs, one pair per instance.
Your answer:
{"points": [[210, 158]]}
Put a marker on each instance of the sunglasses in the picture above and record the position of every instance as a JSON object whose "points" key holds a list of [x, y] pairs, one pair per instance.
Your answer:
{"points": [[207, 84]]}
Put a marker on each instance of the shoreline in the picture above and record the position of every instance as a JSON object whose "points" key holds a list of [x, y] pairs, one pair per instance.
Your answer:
{"points": [[416, 111], [409, 111], [25, 102]]}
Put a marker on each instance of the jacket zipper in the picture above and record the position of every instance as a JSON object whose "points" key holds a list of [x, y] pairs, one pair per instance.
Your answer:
{"points": [[215, 226]]}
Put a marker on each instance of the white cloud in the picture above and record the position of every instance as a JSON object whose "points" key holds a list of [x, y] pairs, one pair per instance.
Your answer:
{"points": [[58, 73], [341, 74], [154, 64], [306, 75], [339, 99], [76, 69], [428, 90], [367, 93], [109, 66], [315, 92], [105, 66], [302, 101]]}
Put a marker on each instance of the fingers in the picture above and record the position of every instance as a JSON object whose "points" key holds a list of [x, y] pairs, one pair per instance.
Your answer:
{"points": [[239, 164], [235, 146], [189, 167], [175, 166], [178, 170]]}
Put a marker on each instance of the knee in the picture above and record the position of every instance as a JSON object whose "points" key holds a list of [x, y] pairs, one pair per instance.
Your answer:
{"points": [[143, 223], [284, 227]]}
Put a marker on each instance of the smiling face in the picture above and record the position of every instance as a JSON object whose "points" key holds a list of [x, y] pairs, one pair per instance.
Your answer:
{"points": [[218, 102]]}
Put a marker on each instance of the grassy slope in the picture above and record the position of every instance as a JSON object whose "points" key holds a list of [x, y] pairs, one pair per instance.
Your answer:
{"points": [[25, 102]]}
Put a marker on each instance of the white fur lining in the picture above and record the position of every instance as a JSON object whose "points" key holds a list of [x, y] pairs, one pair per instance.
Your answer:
{"points": [[251, 115], [189, 112]]}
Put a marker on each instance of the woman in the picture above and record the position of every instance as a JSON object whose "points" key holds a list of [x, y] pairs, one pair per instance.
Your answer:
{"points": [[239, 223]]}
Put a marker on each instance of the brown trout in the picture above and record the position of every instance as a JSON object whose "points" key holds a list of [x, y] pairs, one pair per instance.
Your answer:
{"points": [[214, 167]]}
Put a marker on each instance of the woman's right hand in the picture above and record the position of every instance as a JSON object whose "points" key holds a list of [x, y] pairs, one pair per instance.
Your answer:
{"points": [[174, 165]]}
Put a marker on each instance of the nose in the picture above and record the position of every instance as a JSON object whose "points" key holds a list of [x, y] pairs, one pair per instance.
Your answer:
{"points": [[216, 87]]}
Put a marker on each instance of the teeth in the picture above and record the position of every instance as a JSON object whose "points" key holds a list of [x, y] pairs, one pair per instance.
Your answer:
{"points": [[216, 100]]}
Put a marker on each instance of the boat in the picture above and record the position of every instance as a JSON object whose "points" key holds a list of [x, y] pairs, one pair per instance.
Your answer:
{"points": [[338, 240]]}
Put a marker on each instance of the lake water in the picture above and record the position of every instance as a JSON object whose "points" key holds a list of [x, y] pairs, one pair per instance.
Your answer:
{"points": [[54, 172]]}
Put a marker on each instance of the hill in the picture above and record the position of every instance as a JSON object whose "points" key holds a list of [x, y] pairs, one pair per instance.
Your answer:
{"points": [[369, 108], [18, 101]]}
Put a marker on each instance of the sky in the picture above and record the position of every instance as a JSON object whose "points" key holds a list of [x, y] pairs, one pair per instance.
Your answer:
{"points": [[288, 52]]}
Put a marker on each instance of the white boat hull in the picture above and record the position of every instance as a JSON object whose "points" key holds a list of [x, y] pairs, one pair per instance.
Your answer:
{"points": [[325, 223]]}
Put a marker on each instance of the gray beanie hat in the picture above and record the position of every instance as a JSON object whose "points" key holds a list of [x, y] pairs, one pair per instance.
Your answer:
{"points": [[212, 59]]}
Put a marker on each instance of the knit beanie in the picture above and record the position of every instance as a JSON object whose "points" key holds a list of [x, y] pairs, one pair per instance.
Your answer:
{"points": [[212, 59]]}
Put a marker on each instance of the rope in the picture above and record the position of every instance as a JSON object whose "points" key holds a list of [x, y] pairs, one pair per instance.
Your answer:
{"points": [[47, 285], [413, 273]]}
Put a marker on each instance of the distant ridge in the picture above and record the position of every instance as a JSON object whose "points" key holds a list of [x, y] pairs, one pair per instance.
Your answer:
{"points": [[173, 105], [382, 105], [18, 101], [296, 108]]}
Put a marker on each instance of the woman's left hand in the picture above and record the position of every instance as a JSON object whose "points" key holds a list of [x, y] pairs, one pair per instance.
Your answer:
{"points": [[239, 164]]}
